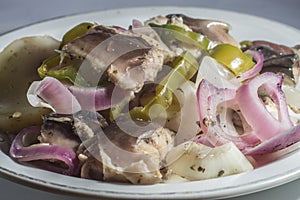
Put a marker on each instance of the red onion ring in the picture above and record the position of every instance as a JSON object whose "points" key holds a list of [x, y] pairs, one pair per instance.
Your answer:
{"points": [[137, 24], [262, 122], [205, 89], [96, 99], [43, 152], [278, 142], [64, 99], [215, 128], [119, 28], [56, 94], [259, 59], [263, 133]]}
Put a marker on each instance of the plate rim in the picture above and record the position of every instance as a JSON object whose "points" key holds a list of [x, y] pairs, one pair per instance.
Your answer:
{"points": [[265, 183], [15, 177]]}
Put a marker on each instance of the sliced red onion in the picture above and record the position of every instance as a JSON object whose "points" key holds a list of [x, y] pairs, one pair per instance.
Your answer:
{"points": [[278, 142], [262, 159], [259, 59], [217, 104], [64, 99], [119, 28], [205, 89], [100, 98], [213, 105], [137, 24], [43, 152], [263, 133], [202, 139], [262, 122], [229, 130], [51, 93]]}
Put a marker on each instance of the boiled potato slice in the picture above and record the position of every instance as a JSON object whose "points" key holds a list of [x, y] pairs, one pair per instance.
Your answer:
{"points": [[18, 68], [194, 161]]}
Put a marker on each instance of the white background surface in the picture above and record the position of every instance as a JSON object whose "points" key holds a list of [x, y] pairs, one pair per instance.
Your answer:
{"points": [[16, 13]]}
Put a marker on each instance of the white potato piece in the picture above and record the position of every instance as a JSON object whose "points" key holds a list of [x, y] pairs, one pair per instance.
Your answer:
{"points": [[18, 68], [194, 161]]}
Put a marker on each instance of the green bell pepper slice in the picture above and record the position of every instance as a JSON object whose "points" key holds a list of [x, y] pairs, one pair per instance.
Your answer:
{"points": [[184, 68], [245, 43], [76, 31], [168, 32], [233, 58], [68, 72], [116, 110]]}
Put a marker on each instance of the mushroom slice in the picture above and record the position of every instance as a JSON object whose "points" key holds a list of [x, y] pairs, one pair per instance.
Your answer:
{"points": [[279, 59], [70, 130], [287, 65], [92, 169], [88, 123], [57, 130], [215, 30], [270, 49]]}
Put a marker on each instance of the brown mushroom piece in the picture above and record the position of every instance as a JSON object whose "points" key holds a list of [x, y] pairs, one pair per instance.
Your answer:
{"points": [[215, 30], [69, 130], [278, 59], [128, 60], [57, 130], [134, 155]]}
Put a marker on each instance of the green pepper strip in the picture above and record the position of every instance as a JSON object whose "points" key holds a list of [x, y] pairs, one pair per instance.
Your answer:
{"points": [[115, 110], [68, 72], [245, 43], [75, 32], [184, 68], [182, 35], [233, 58]]}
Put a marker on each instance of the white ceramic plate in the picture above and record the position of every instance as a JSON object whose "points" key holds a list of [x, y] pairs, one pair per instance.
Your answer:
{"points": [[243, 27]]}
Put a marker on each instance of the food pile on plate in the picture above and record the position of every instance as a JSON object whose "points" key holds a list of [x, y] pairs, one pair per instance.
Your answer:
{"points": [[171, 99]]}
